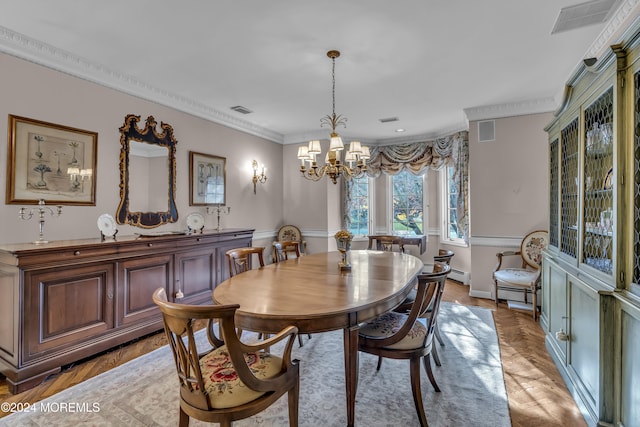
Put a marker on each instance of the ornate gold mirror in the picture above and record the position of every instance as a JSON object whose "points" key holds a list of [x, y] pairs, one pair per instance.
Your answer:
{"points": [[147, 174]]}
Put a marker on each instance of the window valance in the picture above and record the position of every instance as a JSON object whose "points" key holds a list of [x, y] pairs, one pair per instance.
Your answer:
{"points": [[416, 157]]}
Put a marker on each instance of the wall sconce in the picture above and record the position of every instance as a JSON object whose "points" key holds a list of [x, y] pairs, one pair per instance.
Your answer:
{"points": [[262, 178]]}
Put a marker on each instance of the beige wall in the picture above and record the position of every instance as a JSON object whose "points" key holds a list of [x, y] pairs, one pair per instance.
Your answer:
{"points": [[37, 92], [508, 182]]}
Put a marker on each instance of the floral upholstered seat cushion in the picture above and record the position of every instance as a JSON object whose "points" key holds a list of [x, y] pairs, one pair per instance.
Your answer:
{"points": [[389, 323], [516, 276], [222, 382]]}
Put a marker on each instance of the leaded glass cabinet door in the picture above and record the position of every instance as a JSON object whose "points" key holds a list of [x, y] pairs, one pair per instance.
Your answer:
{"points": [[598, 180], [554, 188], [636, 187], [569, 137]]}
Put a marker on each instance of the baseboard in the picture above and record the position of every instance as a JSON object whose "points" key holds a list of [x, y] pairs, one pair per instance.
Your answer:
{"points": [[460, 276], [480, 294]]}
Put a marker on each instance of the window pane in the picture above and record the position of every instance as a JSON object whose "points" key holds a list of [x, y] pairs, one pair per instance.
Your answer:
{"points": [[407, 204], [450, 199], [358, 206]]}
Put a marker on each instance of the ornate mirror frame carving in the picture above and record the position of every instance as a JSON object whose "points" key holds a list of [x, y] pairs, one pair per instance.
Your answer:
{"points": [[130, 132]]}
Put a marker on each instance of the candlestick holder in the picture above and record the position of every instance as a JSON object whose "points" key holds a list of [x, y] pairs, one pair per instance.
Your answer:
{"points": [[218, 210], [27, 213]]}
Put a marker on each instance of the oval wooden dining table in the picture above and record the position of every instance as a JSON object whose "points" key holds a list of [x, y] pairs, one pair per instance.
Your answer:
{"points": [[313, 294]]}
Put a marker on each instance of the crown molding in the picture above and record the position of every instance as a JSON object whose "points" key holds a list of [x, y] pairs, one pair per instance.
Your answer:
{"points": [[535, 106], [40, 53]]}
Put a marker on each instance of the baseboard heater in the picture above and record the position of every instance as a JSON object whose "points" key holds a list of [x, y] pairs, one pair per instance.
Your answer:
{"points": [[457, 275]]}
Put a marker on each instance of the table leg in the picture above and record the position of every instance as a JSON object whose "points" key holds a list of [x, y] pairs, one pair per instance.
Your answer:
{"points": [[351, 371]]}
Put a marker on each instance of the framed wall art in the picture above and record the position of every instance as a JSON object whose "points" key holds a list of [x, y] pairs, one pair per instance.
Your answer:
{"points": [[51, 162], [207, 179]]}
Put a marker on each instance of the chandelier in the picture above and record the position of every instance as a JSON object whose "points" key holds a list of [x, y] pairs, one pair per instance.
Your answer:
{"points": [[354, 164]]}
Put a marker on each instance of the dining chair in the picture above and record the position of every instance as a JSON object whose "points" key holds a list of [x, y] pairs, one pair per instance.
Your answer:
{"points": [[444, 256], [409, 335], [280, 254], [281, 250], [289, 233], [232, 380], [525, 278], [387, 243], [240, 259]]}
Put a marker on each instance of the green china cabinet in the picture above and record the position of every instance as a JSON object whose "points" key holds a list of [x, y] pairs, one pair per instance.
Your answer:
{"points": [[591, 270]]}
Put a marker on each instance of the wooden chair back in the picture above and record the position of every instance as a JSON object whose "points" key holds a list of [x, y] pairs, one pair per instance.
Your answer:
{"points": [[387, 243], [240, 259], [281, 250], [444, 255], [195, 400]]}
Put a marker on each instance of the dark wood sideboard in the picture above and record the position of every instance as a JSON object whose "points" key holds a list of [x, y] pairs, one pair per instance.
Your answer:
{"points": [[67, 300]]}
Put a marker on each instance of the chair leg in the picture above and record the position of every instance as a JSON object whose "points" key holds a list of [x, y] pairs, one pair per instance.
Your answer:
{"points": [[427, 366], [293, 397], [436, 356], [438, 336], [184, 419], [417, 392], [300, 339], [495, 291], [379, 363]]}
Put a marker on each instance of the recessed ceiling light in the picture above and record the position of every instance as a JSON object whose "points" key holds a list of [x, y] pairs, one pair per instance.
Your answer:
{"points": [[399, 130]]}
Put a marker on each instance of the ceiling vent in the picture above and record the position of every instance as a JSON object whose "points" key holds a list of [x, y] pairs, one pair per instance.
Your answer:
{"points": [[241, 109], [583, 14], [388, 120]]}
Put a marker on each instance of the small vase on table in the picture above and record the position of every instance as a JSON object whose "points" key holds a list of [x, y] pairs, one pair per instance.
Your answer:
{"points": [[343, 241]]}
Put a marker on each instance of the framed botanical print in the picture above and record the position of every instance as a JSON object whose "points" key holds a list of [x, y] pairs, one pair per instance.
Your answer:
{"points": [[207, 179], [52, 162]]}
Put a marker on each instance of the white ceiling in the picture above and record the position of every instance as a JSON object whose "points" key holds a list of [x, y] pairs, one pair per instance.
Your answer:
{"points": [[431, 63]]}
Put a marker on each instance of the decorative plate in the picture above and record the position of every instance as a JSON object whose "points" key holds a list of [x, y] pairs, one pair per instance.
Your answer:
{"points": [[107, 225], [607, 184], [195, 221]]}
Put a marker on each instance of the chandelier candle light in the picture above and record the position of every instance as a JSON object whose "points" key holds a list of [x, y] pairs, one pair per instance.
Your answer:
{"points": [[333, 167]]}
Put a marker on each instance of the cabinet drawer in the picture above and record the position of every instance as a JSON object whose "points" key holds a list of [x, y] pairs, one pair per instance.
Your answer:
{"points": [[67, 306]]}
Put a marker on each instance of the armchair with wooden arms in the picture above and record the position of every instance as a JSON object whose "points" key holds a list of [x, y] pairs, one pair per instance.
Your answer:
{"points": [[525, 278], [232, 380]]}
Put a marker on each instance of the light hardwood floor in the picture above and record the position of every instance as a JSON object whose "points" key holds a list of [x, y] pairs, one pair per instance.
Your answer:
{"points": [[536, 392]]}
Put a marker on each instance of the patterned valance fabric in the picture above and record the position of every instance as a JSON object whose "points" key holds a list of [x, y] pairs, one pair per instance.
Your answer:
{"points": [[415, 157]]}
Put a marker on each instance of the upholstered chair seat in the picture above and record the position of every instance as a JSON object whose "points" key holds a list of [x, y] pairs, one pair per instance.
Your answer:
{"points": [[221, 381], [517, 276], [389, 323]]}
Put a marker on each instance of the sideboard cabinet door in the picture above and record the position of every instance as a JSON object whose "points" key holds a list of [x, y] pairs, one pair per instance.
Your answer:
{"points": [[138, 278], [66, 306]]}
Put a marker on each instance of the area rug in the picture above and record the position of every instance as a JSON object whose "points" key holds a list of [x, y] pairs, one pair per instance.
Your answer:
{"points": [[144, 391]]}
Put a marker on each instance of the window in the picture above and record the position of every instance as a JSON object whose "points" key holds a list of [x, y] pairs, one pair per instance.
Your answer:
{"points": [[358, 206], [450, 229], [408, 203]]}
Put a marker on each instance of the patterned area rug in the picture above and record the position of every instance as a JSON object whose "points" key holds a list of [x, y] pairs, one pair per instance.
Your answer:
{"points": [[144, 391]]}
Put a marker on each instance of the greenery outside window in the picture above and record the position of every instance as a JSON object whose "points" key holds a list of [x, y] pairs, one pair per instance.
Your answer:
{"points": [[407, 203]]}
